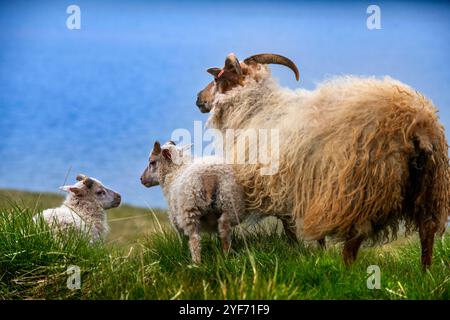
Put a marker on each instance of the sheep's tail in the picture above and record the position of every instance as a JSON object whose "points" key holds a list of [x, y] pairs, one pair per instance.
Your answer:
{"points": [[427, 197], [392, 169]]}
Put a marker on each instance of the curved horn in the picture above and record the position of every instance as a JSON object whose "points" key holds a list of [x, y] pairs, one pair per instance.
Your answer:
{"points": [[231, 62], [270, 58]]}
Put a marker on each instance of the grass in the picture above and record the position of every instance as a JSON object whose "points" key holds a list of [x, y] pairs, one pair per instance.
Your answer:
{"points": [[150, 261]]}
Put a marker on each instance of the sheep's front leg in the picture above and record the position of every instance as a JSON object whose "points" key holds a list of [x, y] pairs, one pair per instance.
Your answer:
{"points": [[193, 232], [289, 229], [224, 228], [351, 247]]}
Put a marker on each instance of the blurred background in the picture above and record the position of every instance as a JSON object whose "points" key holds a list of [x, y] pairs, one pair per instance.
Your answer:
{"points": [[93, 100]]}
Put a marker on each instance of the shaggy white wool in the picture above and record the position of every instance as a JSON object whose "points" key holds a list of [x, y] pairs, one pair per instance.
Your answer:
{"points": [[345, 149]]}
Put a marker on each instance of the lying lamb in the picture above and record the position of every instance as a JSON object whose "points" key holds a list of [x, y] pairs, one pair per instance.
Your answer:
{"points": [[83, 209], [202, 193]]}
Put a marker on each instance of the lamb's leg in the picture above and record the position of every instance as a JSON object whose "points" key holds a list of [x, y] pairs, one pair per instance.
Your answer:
{"points": [[351, 247], [175, 225], [427, 231], [224, 228], [193, 231]]}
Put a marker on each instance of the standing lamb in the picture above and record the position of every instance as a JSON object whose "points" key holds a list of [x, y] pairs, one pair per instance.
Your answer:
{"points": [[202, 193], [359, 155], [83, 209]]}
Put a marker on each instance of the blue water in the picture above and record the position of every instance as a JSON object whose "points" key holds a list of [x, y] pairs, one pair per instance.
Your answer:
{"points": [[94, 100]]}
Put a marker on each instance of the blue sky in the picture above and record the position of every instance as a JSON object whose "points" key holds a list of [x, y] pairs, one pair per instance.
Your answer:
{"points": [[93, 100]]}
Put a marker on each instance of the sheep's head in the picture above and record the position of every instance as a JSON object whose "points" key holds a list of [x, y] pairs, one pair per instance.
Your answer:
{"points": [[93, 190], [161, 159], [234, 74]]}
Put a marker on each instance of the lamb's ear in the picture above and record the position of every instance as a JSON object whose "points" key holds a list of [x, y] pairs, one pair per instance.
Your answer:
{"points": [[65, 188], [88, 182], [166, 154], [157, 148], [81, 177], [72, 189]]}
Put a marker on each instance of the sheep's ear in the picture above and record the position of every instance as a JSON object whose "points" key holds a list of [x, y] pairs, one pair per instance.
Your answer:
{"points": [[75, 190], [166, 154], [214, 71], [228, 74], [232, 64]]}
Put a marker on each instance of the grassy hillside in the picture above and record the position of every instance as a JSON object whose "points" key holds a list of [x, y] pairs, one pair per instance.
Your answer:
{"points": [[141, 260]]}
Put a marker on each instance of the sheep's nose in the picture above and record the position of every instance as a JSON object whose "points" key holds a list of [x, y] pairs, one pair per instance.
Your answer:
{"points": [[199, 102]]}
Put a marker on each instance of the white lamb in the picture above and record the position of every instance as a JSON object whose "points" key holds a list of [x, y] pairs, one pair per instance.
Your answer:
{"points": [[83, 209], [202, 193]]}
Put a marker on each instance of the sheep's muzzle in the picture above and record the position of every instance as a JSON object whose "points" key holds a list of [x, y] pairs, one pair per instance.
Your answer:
{"points": [[201, 105]]}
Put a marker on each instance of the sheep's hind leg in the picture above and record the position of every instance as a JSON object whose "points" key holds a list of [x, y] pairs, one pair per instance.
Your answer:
{"points": [[351, 247], [427, 231], [322, 243], [224, 228]]}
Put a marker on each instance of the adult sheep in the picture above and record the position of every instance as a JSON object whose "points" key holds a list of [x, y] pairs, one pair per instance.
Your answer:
{"points": [[358, 156]]}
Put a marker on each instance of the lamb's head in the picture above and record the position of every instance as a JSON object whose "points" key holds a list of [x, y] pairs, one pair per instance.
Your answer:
{"points": [[236, 73], [163, 159], [91, 189]]}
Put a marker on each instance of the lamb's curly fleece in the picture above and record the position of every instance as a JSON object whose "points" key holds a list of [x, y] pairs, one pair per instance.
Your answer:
{"points": [[84, 215], [193, 208], [184, 190]]}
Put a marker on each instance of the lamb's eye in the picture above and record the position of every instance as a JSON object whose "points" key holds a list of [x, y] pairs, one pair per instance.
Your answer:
{"points": [[100, 193], [152, 162]]}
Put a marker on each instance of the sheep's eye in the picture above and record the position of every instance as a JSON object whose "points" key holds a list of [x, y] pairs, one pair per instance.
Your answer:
{"points": [[152, 162], [100, 193]]}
